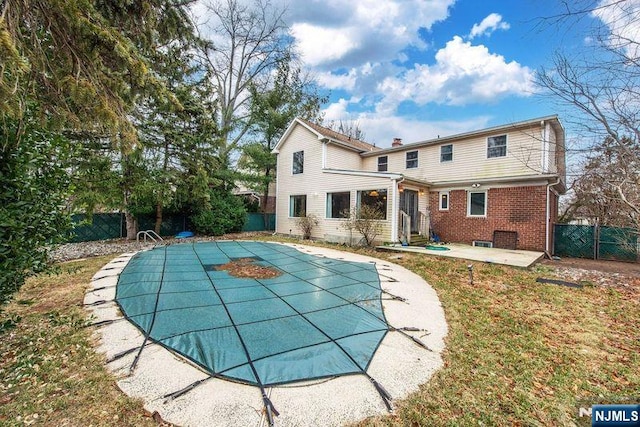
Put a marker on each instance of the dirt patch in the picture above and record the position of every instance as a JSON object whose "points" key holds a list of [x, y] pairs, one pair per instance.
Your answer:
{"points": [[247, 268], [623, 276], [629, 269]]}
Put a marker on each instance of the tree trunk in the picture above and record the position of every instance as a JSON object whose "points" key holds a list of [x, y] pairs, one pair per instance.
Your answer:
{"points": [[132, 225], [265, 201], [158, 224]]}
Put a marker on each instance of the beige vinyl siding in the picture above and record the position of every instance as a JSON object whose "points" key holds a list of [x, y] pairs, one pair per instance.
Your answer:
{"points": [[551, 158], [300, 139], [341, 158], [332, 228], [316, 184], [470, 158]]}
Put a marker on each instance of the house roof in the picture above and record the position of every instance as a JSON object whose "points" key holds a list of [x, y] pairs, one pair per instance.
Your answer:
{"points": [[487, 131], [329, 135]]}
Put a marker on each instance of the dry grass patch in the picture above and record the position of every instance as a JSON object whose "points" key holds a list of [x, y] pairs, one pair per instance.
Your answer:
{"points": [[50, 372], [518, 352]]}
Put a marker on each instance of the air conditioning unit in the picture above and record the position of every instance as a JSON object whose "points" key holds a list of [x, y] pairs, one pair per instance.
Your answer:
{"points": [[482, 244]]}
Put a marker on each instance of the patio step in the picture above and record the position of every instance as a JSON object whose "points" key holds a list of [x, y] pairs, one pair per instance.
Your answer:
{"points": [[419, 240]]}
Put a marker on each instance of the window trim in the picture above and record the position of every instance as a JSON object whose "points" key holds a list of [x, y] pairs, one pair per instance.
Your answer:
{"points": [[326, 204], [407, 160], [440, 194], [293, 163], [486, 203], [441, 147], [291, 205], [506, 144], [386, 163]]}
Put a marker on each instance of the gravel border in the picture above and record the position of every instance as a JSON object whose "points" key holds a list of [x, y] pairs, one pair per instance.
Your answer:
{"points": [[72, 251]]}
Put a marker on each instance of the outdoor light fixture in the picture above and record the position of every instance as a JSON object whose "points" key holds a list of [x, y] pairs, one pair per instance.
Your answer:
{"points": [[374, 193], [475, 185]]}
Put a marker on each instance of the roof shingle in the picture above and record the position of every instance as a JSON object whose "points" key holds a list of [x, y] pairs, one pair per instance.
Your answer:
{"points": [[344, 139]]}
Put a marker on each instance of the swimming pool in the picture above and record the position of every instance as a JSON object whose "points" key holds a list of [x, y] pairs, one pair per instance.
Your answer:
{"points": [[314, 317]]}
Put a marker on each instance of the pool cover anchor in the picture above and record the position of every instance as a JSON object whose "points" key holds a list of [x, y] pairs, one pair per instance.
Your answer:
{"points": [[411, 337], [384, 394], [270, 410], [394, 297], [172, 396]]}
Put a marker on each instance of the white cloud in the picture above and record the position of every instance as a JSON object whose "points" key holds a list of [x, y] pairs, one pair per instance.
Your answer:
{"points": [[380, 129], [346, 33], [318, 44], [330, 80], [488, 25], [463, 74], [622, 20]]}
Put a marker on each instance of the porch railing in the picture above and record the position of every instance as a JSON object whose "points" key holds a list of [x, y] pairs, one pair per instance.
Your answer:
{"points": [[405, 227], [423, 224]]}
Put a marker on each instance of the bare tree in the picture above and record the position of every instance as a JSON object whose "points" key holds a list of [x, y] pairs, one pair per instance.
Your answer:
{"points": [[350, 128], [244, 44], [601, 87]]}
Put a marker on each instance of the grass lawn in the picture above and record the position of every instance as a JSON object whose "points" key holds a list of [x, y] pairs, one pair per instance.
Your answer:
{"points": [[518, 352]]}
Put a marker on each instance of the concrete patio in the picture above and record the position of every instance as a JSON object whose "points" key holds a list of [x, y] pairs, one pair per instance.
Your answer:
{"points": [[515, 258]]}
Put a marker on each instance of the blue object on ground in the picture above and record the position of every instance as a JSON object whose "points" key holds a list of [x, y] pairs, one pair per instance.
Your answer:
{"points": [[436, 248], [185, 234]]}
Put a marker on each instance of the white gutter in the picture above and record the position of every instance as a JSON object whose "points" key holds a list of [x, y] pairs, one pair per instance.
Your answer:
{"points": [[548, 216], [395, 209]]}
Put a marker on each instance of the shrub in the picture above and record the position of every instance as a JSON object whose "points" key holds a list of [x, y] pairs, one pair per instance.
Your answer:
{"points": [[226, 214], [366, 221], [306, 223], [33, 190]]}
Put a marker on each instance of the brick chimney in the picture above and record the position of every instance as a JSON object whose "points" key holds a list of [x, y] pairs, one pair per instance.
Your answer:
{"points": [[397, 142]]}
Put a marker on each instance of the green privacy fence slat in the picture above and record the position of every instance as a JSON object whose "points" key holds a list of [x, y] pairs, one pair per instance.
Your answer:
{"points": [[98, 227], [256, 222], [596, 242], [171, 224], [618, 244], [575, 241], [104, 226]]}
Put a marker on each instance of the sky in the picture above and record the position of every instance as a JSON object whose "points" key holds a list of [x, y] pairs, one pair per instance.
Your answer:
{"points": [[418, 69]]}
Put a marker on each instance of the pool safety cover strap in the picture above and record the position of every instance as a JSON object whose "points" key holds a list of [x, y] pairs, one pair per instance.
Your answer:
{"points": [[320, 317]]}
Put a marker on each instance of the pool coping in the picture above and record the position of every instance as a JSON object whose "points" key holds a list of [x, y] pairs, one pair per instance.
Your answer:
{"points": [[400, 365]]}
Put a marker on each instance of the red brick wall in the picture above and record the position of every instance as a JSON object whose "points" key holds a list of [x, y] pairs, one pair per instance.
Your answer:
{"points": [[520, 209]]}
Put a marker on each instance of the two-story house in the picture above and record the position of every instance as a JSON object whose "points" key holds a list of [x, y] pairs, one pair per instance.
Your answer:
{"points": [[496, 186]]}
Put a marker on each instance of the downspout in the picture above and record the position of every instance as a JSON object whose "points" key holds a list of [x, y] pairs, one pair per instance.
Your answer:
{"points": [[395, 210], [275, 231], [548, 216]]}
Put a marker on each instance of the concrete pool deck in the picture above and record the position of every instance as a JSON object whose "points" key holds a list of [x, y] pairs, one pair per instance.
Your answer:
{"points": [[399, 365], [514, 258]]}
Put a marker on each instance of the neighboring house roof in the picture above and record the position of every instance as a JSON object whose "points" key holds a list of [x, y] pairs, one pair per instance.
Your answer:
{"points": [[487, 131], [328, 135]]}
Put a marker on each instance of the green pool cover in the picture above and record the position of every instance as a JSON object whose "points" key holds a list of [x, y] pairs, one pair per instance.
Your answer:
{"points": [[319, 318]]}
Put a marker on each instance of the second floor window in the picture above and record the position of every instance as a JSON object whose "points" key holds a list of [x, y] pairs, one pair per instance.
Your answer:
{"points": [[497, 146], [298, 162], [412, 159], [446, 153], [383, 162]]}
